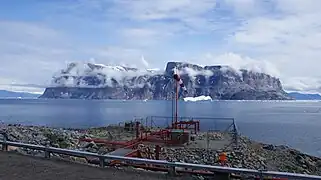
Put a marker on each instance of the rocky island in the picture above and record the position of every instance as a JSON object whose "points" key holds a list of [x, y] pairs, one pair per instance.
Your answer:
{"points": [[96, 81]]}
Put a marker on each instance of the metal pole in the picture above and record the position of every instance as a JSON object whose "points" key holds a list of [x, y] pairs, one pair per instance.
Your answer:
{"points": [[176, 112], [5, 139], [101, 162], [173, 106], [47, 152]]}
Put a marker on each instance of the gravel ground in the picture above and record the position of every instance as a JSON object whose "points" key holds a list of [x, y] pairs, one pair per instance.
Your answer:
{"points": [[14, 166], [248, 154]]}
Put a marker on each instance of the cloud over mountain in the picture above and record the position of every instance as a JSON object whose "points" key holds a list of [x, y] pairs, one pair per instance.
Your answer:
{"points": [[279, 37], [97, 81]]}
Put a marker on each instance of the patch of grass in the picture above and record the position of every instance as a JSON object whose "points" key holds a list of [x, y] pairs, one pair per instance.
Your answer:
{"points": [[57, 139]]}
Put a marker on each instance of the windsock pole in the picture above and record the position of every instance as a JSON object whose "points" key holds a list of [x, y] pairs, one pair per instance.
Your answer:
{"points": [[176, 112], [176, 79], [179, 84]]}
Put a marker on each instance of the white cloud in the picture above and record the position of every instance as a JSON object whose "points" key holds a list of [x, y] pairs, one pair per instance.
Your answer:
{"points": [[298, 6], [279, 37], [145, 63], [244, 7], [193, 73], [114, 55], [165, 9], [237, 62], [104, 72], [143, 37], [32, 53], [28, 52], [141, 33], [288, 39], [165, 16]]}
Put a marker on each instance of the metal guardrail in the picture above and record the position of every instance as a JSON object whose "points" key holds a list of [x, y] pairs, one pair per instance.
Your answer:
{"points": [[170, 165]]}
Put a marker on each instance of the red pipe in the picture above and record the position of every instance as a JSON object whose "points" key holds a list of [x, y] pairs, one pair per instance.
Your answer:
{"points": [[132, 145]]}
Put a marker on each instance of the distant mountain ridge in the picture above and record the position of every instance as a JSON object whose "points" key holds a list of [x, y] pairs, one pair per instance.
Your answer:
{"points": [[12, 94], [304, 96], [97, 81]]}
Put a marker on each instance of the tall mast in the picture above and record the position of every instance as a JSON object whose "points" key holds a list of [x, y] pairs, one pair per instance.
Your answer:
{"points": [[176, 104], [175, 98], [178, 84]]}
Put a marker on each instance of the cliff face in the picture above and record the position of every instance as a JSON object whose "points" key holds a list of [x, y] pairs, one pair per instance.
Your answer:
{"points": [[219, 82]]}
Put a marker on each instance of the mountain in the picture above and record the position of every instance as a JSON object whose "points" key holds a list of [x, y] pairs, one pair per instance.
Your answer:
{"points": [[11, 94], [97, 81], [303, 96]]}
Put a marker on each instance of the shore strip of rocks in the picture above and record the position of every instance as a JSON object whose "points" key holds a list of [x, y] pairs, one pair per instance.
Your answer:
{"points": [[248, 154]]}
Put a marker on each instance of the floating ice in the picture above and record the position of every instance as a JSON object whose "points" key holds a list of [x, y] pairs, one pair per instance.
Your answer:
{"points": [[199, 98]]}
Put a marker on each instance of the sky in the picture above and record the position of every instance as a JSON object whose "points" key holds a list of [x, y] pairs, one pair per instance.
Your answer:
{"points": [[279, 37]]}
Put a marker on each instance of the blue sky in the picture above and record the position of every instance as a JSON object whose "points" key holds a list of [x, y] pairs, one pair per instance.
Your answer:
{"points": [[279, 37]]}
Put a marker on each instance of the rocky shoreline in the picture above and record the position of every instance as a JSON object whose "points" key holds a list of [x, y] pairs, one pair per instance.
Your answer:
{"points": [[248, 153]]}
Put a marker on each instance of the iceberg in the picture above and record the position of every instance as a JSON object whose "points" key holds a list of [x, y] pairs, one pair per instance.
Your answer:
{"points": [[199, 98]]}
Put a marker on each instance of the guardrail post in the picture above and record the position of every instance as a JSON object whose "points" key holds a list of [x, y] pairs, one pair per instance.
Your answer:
{"points": [[261, 174], [171, 170], [47, 152], [5, 145], [5, 139], [101, 162]]}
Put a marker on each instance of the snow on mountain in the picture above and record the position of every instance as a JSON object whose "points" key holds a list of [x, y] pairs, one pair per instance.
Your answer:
{"points": [[97, 81], [96, 75]]}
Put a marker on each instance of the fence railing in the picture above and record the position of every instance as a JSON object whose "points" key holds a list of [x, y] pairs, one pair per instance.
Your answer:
{"points": [[171, 165]]}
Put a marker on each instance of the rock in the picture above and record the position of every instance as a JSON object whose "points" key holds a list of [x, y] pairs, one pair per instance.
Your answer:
{"points": [[55, 145], [199, 177], [311, 165], [307, 172], [318, 163], [92, 150], [269, 147], [300, 159]]}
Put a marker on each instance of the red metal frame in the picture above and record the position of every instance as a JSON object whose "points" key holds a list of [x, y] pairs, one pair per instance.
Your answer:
{"points": [[180, 124], [186, 125], [161, 136]]}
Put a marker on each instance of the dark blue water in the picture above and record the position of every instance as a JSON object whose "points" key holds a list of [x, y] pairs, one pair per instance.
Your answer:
{"points": [[297, 124]]}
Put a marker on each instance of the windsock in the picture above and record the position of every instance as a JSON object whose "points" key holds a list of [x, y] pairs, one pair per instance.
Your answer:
{"points": [[180, 81]]}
